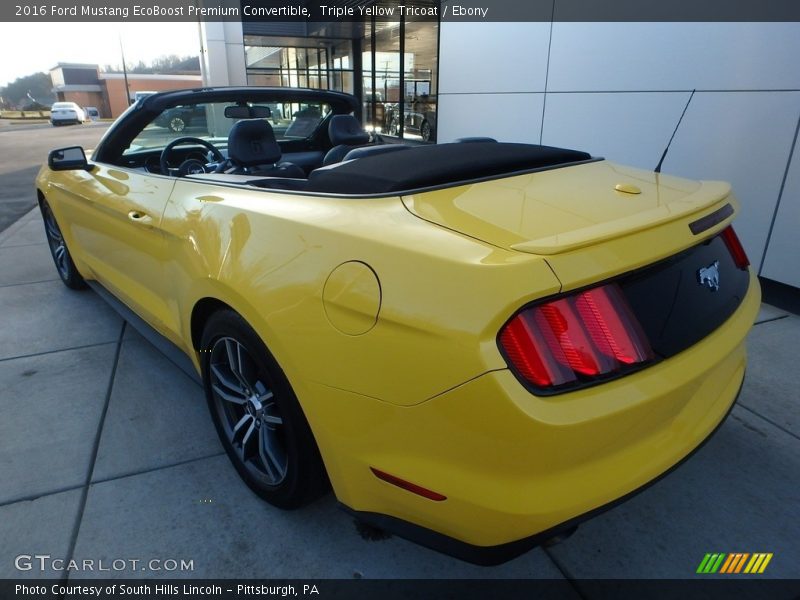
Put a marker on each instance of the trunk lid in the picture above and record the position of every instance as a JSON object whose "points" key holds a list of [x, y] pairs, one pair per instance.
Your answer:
{"points": [[659, 239], [564, 209]]}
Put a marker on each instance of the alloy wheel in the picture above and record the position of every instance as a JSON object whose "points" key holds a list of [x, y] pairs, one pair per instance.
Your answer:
{"points": [[55, 240], [177, 124], [245, 403], [425, 131]]}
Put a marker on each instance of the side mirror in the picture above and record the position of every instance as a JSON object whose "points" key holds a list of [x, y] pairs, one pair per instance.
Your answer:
{"points": [[68, 159]]}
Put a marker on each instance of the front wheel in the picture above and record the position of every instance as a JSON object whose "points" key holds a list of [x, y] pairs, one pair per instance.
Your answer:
{"points": [[58, 250], [257, 416]]}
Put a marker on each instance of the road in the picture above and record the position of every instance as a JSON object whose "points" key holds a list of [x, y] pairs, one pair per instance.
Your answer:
{"points": [[23, 149]]}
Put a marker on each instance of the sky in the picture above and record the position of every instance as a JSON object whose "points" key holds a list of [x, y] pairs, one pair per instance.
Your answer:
{"points": [[28, 48]]}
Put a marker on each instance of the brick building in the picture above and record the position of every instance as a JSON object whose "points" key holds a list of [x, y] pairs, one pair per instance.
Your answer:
{"points": [[87, 86]]}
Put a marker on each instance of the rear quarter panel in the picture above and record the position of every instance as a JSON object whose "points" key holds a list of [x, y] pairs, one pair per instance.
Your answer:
{"points": [[443, 296]]}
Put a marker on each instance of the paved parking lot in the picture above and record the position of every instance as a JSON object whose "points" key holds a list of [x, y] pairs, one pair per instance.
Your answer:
{"points": [[24, 147], [107, 452]]}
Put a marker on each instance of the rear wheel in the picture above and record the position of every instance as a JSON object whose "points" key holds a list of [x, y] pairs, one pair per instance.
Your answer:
{"points": [[257, 415], [58, 250]]}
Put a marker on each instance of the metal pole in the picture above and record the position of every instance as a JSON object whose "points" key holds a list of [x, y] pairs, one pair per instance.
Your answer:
{"points": [[125, 73], [401, 107]]}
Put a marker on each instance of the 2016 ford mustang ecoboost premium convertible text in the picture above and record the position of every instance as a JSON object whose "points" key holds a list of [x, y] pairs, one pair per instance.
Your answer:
{"points": [[475, 344]]}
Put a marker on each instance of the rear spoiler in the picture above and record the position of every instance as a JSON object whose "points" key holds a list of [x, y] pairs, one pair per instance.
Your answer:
{"points": [[708, 195]]}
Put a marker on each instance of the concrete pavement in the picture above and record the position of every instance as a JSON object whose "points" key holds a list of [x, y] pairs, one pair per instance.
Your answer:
{"points": [[107, 452]]}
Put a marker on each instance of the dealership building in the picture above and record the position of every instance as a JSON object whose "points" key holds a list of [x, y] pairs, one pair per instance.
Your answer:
{"points": [[617, 90]]}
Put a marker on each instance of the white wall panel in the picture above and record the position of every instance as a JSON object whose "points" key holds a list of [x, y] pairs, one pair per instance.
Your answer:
{"points": [[674, 56], [222, 55], [630, 128], [744, 138], [493, 57], [505, 117], [633, 78], [782, 262]]}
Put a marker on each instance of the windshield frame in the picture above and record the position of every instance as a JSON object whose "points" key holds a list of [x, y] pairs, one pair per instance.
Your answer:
{"points": [[208, 121], [125, 129]]}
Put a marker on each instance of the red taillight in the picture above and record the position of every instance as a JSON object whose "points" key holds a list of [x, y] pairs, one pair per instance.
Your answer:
{"points": [[612, 325], [528, 351], [577, 338], [735, 247], [566, 336]]}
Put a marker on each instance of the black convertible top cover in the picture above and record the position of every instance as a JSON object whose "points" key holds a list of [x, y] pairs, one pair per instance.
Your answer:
{"points": [[437, 165]]}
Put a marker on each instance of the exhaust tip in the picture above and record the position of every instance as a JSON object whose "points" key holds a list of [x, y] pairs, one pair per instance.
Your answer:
{"points": [[371, 533]]}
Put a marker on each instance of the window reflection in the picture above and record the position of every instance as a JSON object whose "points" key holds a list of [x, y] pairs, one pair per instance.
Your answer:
{"points": [[392, 65], [325, 66], [400, 78]]}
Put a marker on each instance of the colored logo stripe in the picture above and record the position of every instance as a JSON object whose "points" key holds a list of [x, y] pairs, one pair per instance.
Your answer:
{"points": [[734, 562], [711, 563], [758, 563]]}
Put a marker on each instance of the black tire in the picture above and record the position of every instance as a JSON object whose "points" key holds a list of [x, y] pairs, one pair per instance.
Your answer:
{"points": [[177, 124], [261, 424], [394, 127], [59, 251]]}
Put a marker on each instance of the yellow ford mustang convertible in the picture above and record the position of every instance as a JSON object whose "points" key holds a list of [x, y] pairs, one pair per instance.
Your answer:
{"points": [[475, 344]]}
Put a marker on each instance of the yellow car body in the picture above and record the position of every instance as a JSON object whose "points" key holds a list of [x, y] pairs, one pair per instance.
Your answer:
{"points": [[384, 314]]}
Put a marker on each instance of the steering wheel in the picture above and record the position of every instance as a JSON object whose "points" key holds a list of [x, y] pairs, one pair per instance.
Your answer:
{"points": [[192, 165]]}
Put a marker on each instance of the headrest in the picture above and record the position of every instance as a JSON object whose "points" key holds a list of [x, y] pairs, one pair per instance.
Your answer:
{"points": [[346, 130], [252, 142], [373, 150]]}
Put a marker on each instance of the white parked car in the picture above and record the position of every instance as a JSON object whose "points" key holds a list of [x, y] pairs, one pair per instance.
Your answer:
{"points": [[64, 113]]}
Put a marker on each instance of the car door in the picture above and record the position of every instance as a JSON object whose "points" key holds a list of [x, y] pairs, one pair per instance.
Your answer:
{"points": [[115, 217]]}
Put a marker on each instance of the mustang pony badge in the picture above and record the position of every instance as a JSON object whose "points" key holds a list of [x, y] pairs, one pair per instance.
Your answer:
{"points": [[709, 276]]}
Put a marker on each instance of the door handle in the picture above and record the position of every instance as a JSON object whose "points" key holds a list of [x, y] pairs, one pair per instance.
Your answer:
{"points": [[140, 218]]}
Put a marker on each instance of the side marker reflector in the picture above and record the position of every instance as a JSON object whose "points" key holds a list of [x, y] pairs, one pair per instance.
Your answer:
{"points": [[408, 486]]}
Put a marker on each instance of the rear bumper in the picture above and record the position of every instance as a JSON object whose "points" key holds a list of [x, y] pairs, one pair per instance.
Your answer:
{"points": [[488, 556], [516, 468]]}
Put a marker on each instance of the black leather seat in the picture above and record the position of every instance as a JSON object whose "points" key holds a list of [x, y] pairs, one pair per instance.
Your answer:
{"points": [[252, 149], [345, 133]]}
